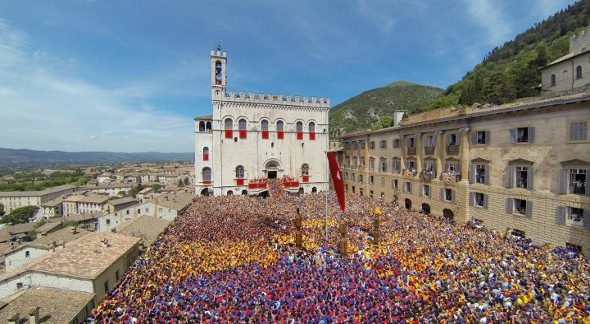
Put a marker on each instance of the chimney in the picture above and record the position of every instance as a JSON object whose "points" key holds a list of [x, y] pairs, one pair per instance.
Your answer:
{"points": [[14, 319], [74, 230], [34, 315]]}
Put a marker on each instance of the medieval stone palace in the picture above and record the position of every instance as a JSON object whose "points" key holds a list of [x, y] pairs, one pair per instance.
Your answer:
{"points": [[252, 137]]}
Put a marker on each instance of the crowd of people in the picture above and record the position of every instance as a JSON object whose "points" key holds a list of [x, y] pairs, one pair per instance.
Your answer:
{"points": [[233, 259]]}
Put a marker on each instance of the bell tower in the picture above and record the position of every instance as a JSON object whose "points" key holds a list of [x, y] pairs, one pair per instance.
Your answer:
{"points": [[218, 71]]}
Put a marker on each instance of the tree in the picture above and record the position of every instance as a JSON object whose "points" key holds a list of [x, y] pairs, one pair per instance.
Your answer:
{"points": [[20, 215]]}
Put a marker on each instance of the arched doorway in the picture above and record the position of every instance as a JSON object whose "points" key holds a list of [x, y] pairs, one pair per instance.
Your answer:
{"points": [[205, 192], [263, 194], [230, 193], [271, 169], [426, 208], [408, 203], [314, 190], [301, 191], [449, 214], [244, 192]]}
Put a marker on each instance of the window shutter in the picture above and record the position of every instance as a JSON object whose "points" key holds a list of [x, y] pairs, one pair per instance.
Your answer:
{"points": [[442, 194], [487, 174], [509, 205], [587, 218], [529, 208], [530, 173], [485, 201], [473, 137], [561, 215], [471, 173], [510, 176], [453, 195], [512, 138], [531, 134], [488, 138], [563, 181], [471, 199]]}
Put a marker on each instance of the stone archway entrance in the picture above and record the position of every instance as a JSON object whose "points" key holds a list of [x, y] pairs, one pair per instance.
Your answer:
{"points": [[426, 208], [408, 203], [448, 214], [271, 169], [230, 193], [314, 190], [205, 192], [244, 192], [301, 191]]}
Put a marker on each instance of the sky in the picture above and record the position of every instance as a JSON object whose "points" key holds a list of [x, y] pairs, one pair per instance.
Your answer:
{"points": [[130, 76]]}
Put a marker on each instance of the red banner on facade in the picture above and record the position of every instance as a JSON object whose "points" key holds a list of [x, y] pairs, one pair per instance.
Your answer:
{"points": [[337, 179]]}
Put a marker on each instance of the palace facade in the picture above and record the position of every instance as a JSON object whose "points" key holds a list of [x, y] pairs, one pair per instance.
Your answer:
{"points": [[521, 167], [250, 137]]}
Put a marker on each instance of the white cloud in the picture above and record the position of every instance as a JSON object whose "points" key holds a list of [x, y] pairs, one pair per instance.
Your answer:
{"points": [[44, 109], [489, 17]]}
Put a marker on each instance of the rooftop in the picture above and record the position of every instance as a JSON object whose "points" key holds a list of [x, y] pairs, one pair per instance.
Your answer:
{"points": [[65, 235], [107, 186], [121, 201], [145, 227], [56, 305], [86, 257], [36, 193], [90, 199], [83, 217], [175, 201]]}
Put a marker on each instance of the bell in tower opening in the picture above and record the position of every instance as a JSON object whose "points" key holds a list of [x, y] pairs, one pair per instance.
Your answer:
{"points": [[218, 72]]}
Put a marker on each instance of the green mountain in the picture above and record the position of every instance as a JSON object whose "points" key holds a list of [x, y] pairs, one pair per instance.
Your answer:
{"points": [[512, 71], [374, 108]]}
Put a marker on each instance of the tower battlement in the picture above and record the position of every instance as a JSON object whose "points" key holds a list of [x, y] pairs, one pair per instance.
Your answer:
{"points": [[276, 99]]}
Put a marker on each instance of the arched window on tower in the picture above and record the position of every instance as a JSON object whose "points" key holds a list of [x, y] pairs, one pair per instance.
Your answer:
{"points": [[280, 129], [240, 175], [264, 128], [229, 125], [218, 72], [299, 129], [201, 126], [205, 153], [553, 82], [311, 131], [206, 174], [579, 72], [242, 124], [305, 172], [208, 126]]}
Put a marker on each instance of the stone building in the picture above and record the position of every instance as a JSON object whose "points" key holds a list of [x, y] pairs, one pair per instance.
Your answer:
{"points": [[84, 204], [91, 264], [521, 167], [250, 136], [16, 199], [571, 71]]}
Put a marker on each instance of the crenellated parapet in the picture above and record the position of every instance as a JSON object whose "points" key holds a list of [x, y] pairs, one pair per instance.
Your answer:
{"points": [[274, 99]]}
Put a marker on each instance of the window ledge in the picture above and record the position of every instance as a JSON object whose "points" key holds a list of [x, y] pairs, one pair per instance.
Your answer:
{"points": [[577, 142]]}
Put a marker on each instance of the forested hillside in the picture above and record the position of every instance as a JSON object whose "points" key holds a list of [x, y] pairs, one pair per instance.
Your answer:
{"points": [[512, 71]]}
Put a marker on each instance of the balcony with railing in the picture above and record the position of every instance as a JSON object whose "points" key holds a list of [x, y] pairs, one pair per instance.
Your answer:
{"points": [[450, 178], [411, 150], [429, 150], [409, 173], [427, 175], [452, 149]]}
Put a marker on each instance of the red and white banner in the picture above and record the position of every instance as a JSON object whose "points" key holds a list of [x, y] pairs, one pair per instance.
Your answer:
{"points": [[337, 179]]}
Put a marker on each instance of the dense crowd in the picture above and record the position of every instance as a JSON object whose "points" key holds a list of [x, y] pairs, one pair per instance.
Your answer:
{"points": [[233, 259]]}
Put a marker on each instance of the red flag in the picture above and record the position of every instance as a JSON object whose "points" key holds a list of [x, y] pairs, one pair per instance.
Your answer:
{"points": [[337, 179]]}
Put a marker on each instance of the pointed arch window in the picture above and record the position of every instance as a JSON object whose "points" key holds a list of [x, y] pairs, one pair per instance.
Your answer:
{"points": [[311, 131], [201, 126], [242, 125], [240, 175], [305, 172], [229, 125], [264, 128], [579, 72], [299, 130], [206, 175], [205, 153], [280, 129]]}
